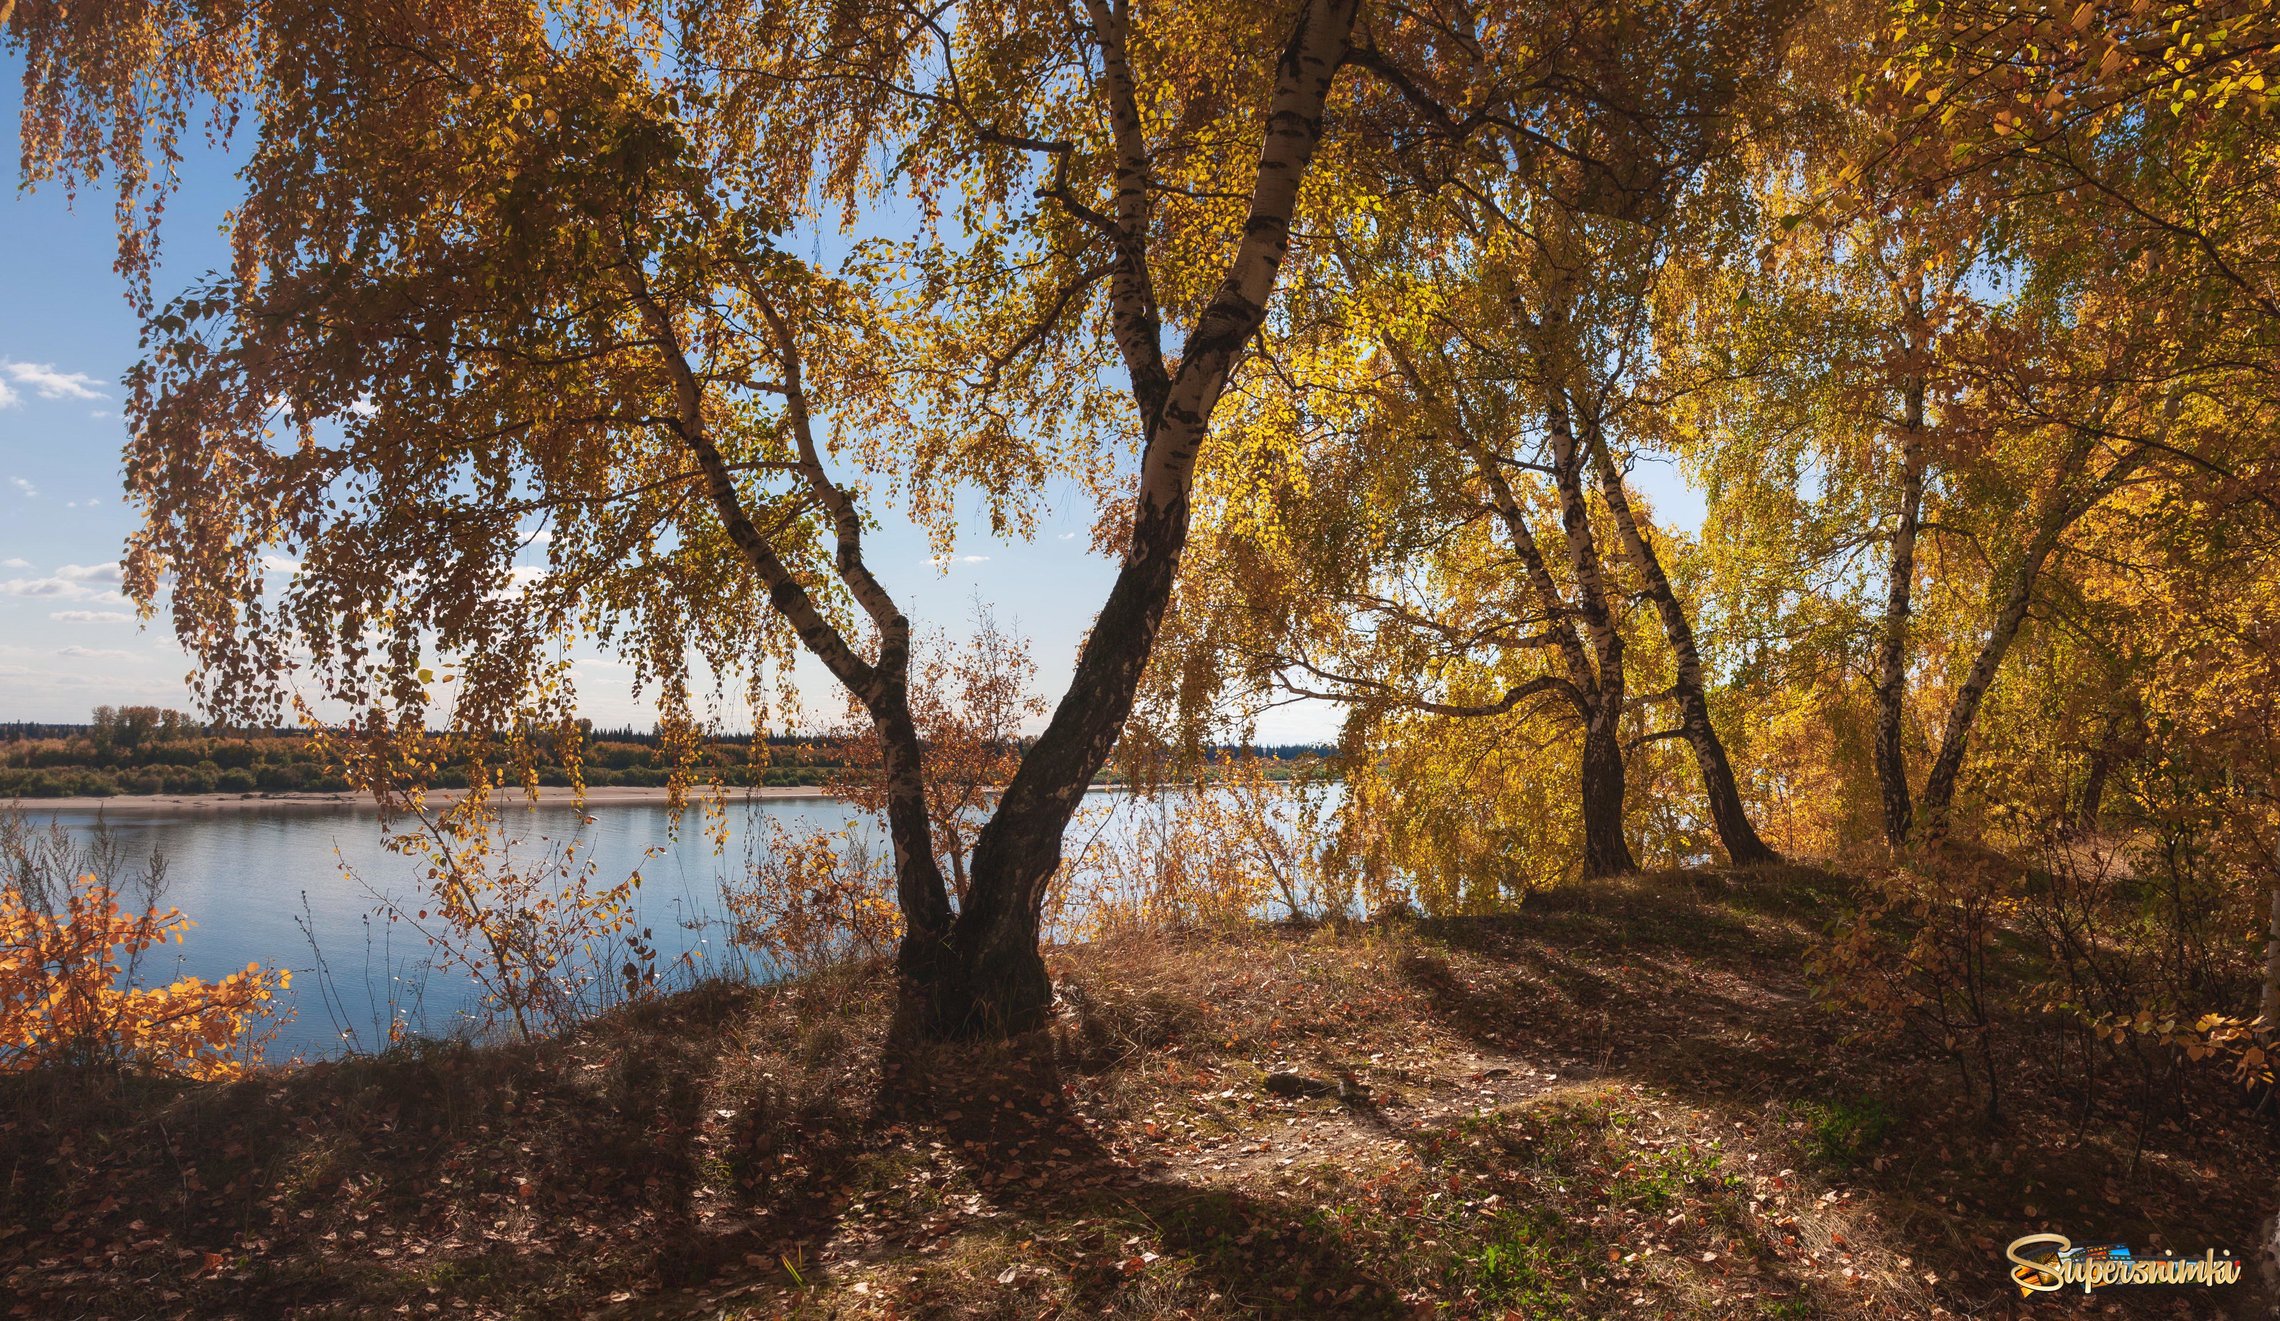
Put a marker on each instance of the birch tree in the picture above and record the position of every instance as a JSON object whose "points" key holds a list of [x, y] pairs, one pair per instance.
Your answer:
{"points": [[506, 266]]}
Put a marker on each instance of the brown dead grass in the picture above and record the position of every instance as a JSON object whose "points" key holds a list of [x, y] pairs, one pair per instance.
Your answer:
{"points": [[1621, 1101]]}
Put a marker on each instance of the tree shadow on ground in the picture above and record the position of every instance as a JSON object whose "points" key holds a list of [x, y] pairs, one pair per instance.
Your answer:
{"points": [[1007, 1111], [1706, 998]]}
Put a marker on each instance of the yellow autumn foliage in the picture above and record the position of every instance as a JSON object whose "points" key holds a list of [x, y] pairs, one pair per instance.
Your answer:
{"points": [[68, 994]]}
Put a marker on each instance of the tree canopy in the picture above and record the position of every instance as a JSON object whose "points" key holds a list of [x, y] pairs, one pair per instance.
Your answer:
{"points": [[1363, 325]]}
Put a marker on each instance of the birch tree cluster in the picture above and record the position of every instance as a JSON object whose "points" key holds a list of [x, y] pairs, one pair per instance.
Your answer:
{"points": [[1661, 431]]}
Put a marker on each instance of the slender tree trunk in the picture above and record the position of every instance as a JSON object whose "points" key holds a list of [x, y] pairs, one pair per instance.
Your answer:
{"points": [[2059, 513], [994, 980], [1892, 644], [918, 876], [2268, 1005], [2093, 798], [1735, 832], [2092, 801], [1605, 852], [1955, 736]]}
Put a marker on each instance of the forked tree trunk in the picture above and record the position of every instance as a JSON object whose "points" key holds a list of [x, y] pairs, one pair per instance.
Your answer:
{"points": [[1599, 788], [1732, 819], [989, 976], [1892, 640], [1595, 684], [997, 979], [1605, 851]]}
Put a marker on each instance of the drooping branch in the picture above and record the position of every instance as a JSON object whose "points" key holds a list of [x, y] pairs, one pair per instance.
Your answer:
{"points": [[1379, 691], [790, 598], [846, 519]]}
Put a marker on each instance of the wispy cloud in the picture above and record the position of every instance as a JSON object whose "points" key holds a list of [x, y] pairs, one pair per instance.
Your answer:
{"points": [[26, 487], [938, 561], [92, 617], [44, 380], [94, 584], [95, 653], [12, 562]]}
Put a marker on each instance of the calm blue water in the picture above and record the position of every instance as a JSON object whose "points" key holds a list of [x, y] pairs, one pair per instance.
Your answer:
{"points": [[266, 885], [305, 886]]}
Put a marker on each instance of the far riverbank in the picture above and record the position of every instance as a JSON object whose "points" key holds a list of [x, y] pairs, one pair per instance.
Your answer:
{"points": [[596, 796]]}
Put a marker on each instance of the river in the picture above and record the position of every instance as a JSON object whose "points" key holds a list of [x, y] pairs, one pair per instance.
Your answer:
{"points": [[300, 887]]}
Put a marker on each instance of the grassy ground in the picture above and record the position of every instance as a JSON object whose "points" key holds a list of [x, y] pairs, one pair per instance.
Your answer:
{"points": [[1620, 1101]]}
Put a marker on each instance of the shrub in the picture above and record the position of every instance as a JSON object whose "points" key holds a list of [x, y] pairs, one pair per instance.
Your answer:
{"points": [[547, 942], [809, 900], [70, 954]]}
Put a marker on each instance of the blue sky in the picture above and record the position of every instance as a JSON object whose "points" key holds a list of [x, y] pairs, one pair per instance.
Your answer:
{"points": [[69, 642]]}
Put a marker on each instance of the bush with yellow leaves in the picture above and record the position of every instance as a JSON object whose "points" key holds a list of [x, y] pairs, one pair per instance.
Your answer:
{"points": [[71, 953]]}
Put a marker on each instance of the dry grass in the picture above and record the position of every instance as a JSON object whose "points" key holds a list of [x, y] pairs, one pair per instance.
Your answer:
{"points": [[1621, 1101]]}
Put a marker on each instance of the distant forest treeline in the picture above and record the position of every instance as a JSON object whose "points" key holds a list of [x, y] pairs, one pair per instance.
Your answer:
{"points": [[152, 750]]}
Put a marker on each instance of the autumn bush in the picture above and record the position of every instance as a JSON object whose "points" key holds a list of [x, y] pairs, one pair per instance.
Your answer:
{"points": [[1917, 954], [75, 929], [1225, 844], [806, 901], [546, 940], [2123, 961]]}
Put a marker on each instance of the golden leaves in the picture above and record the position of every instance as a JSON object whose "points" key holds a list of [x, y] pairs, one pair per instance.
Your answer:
{"points": [[66, 995]]}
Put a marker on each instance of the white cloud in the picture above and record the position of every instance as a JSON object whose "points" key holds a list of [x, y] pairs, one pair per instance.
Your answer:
{"points": [[95, 653], [48, 383], [938, 561], [7, 396], [92, 617], [279, 564], [26, 487], [93, 584], [13, 562]]}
